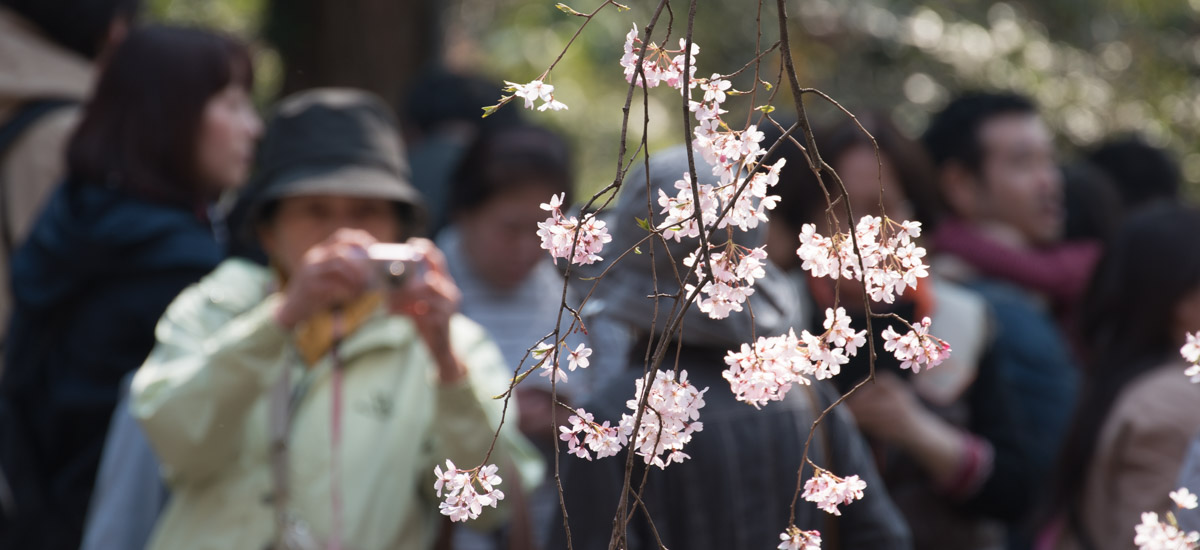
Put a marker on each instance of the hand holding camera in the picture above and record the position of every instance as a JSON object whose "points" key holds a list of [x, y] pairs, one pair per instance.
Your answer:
{"points": [[430, 297], [328, 275], [413, 276]]}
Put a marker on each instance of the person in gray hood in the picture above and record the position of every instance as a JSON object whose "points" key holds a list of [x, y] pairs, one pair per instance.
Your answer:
{"points": [[737, 487]]}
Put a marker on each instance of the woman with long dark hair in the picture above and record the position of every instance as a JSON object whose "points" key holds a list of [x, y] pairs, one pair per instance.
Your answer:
{"points": [[1137, 412], [169, 128]]}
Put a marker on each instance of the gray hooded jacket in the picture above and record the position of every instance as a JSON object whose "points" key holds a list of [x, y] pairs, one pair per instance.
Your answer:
{"points": [[736, 489]]}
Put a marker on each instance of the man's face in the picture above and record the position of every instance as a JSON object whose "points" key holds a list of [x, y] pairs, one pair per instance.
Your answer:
{"points": [[1021, 186]]}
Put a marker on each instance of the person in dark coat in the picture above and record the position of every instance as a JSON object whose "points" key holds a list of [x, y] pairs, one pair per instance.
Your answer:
{"points": [[170, 127], [737, 487]]}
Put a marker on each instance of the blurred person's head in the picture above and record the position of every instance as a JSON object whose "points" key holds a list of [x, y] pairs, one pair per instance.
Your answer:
{"points": [[444, 101], [86, 27], [627, 293], [503, 179], [996, 167], [901, 167], [171, 118], [1141, 172], [331, 159], [1093, 204], [1144, 297]]}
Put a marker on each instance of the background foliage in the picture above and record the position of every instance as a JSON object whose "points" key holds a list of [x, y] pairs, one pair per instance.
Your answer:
{"points": [[1098, 67]]}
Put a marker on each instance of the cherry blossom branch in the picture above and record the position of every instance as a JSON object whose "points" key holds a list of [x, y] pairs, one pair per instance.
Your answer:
{"points": [[807, 442], [758, 57], [518, 89], [686, 98], [711, 131], [757, 61]]}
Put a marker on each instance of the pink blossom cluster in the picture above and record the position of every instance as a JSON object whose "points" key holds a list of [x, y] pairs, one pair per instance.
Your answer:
{"points": [[1153, 534], [534, 91], [548, 360], [674, 406], [558, 234], [795, 539], [463, 500], [602, 439], [917, 347], [734, 271], [1191, 354], [741, 197], [828, 490], [890, 263], [749, 205], [766, 371], [661, 66], [729, 152]]}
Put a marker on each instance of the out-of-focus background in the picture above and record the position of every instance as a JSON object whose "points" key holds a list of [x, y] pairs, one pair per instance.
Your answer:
{"points": [[1097, 67]]}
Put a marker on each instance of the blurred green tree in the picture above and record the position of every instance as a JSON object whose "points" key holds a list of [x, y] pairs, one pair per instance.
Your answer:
{"points": [[1098, 67]]}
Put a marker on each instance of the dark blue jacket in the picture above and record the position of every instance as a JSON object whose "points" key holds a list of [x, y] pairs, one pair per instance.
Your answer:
{"points": [[90, 283], [1036, 362]]}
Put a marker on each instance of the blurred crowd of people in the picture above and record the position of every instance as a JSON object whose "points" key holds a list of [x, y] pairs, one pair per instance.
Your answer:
{"points": [[201, 349]]}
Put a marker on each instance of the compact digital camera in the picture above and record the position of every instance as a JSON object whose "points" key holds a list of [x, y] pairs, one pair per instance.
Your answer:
{"points": [[394, 262]]}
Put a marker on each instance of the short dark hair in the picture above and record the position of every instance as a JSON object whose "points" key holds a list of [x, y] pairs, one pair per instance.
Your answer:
{"points": [[440, 96], [1093, 204], [507, 158], [953, 134], [77, 25], [139, 131], [801, 199], [1142, 172]]}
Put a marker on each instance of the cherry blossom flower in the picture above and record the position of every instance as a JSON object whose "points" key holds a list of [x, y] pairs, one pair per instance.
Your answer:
{"points": [[534, 91], [714, 88], [553, 105], [671, 417], [795, 539], [1184, 498], [890, 263], [734, 273], [658, 65], [603, 439], [1153, 534], [558, 234], [766, 371], [917, 347], [828, 490], [463, 500], [578, 358], [547, 355], [1191, 354], [840, 333]]}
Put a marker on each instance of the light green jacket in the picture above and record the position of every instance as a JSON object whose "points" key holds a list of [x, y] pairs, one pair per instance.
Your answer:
{"points": [[203, 398]]}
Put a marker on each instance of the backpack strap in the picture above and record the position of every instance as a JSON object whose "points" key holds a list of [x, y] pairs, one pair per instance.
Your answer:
{"points": [[10, 132]]}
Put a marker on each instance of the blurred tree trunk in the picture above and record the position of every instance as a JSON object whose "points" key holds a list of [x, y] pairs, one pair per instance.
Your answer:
{"points": [[377, 45]]}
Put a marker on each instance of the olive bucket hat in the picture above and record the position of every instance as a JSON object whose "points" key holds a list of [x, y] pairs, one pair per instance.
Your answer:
{"points": [[332, 141]]}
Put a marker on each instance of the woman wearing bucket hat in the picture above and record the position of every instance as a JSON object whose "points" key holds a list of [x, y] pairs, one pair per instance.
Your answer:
{"points": [[310, 401]]}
